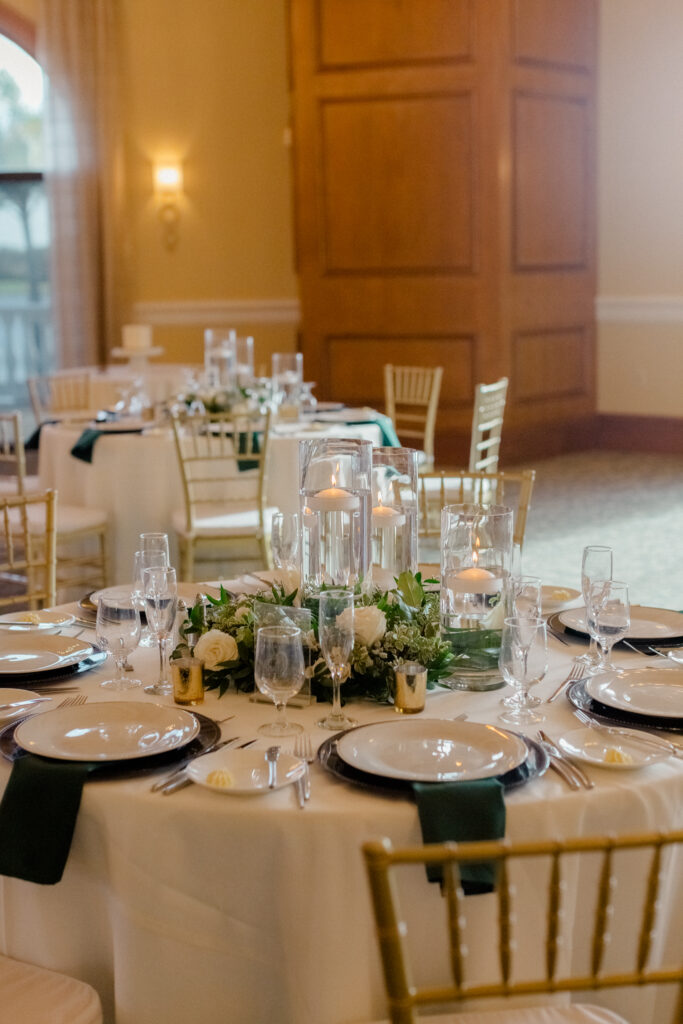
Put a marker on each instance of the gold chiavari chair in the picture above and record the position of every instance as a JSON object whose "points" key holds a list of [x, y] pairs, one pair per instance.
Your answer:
{"points": [[223, 461], [28, 555], [621, 883], [14, 479], [411, 400], [58, 395]]}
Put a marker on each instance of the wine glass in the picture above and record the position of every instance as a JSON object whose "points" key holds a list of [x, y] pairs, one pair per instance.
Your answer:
{"points": [[284, 540], [150, 542], [161, 603], [523, 599], [145, 560], [608, 614], [117, 629], [596, 565], [523, 662], [336, 634], [279, 673]]}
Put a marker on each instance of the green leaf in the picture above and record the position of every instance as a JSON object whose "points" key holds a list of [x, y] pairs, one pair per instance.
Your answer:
{"points": [[410, 589]]}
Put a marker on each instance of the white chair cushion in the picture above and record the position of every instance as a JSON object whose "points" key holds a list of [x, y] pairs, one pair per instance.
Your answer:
{"points": [[235, 521], [34, 995], [8, 486], [70, 518], [576, 1013]]}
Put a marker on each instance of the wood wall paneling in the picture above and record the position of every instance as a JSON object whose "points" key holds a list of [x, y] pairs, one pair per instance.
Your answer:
{"points": [[392, 202], [555, 33], [550, 182], [548, 364], [378, 32]]}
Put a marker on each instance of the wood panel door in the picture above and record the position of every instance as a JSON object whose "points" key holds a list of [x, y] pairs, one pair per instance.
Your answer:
{"points": [[443, 196]]}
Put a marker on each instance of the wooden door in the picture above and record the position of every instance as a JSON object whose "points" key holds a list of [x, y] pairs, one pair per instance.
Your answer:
{"points": [[443, 154]]}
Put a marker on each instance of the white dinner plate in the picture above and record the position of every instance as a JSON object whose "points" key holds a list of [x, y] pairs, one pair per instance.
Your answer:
{"points": [[432, 750], [46, 621], [8, 695], [642, 691], [555, 599], [107, 731], [611, 750], [646, 623], [243, 772], [35, 652]]}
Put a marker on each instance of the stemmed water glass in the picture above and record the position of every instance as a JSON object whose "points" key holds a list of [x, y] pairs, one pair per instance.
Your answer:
{"points": [[336, 635], [279, 673], [608, 614], [154, 558], [523, 662], [284, 540], [117, 629], [596, 566], [161, 603]]}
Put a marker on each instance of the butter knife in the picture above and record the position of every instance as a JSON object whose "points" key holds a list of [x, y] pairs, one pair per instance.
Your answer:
{"points": [[574, 769], [183, 778], [161, 783]]}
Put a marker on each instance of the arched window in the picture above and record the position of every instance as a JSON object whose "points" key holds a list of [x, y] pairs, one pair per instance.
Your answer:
{"points": [[26, 338]]}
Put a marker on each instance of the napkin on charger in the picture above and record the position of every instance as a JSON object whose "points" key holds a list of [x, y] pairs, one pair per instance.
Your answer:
{"points": [[462, 812]]}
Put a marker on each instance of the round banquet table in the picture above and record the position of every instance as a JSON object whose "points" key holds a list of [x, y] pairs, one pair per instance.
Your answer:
{"points": [[137, 479], [208, 907]]}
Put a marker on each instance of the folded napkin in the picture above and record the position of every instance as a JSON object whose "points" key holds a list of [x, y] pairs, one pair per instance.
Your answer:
{"points": [[386, 426], [83, 449], [462, 812], [243, 464], [38, 815]]}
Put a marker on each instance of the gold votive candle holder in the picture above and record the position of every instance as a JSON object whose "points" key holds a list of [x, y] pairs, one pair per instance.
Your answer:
{"points": [[410, 687], [187, 675]]}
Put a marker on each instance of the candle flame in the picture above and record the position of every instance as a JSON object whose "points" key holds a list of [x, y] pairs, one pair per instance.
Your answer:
{"points": [[333, 480], [379, 499], [475, 553]]}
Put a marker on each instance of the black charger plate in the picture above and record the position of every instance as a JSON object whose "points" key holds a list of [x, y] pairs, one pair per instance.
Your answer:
{"points": [[578, 695], [641, 643], [209, 733], [535, 764]]}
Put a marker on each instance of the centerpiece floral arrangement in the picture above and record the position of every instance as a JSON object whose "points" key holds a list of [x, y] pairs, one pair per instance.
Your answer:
{"points": [[401, 624]]}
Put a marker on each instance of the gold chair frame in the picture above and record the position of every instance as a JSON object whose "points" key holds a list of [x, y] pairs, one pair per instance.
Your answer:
{"points": [[411, 397], [487, 425], [28, 558], [453, 487], [404, 997], [207, 460], [59, 393], [12, 452]]}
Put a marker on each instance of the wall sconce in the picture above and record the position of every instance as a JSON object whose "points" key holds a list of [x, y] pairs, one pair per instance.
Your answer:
{"points": [[168, 189]]}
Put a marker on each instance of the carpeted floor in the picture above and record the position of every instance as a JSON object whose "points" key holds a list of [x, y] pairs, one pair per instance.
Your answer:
{"points": [[632, 503]]}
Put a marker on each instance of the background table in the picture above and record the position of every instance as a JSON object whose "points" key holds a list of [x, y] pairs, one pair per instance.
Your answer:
{"points": [[204, 907], [136, 478]]}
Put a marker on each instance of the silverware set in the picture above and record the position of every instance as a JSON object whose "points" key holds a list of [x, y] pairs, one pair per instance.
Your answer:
{"points": [[573, 775]]}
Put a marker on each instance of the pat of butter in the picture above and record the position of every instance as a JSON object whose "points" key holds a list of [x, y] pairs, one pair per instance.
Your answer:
{"points": [[560, 595], [29, 617], [615, 756], [220, 777]]}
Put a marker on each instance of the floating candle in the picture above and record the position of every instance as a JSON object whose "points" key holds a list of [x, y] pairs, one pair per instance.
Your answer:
{"points": [[383, 516], [474, 581], [333, 499]]}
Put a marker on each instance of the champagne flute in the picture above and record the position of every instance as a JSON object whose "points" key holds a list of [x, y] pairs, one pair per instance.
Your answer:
{"points": [[284, 540], [161, 604], [146, 559], [523, 662], [117, 629], [279, 673], [523, 599], [336, 635], [155, 541], [609, 617], [596, 565]]}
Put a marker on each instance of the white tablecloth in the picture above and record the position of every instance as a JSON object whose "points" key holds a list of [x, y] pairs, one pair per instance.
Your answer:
{"points": [[212, 908], [136, 478]]}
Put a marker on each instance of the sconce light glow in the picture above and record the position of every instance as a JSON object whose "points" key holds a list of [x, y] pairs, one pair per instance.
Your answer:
{"points": [[168, 188]]}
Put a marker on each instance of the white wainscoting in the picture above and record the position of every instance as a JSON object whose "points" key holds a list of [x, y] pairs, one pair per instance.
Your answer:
{"points": [[212, 312]]}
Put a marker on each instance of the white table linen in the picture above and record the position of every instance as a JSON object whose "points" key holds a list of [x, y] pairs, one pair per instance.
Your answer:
{"points": [[204, 907], [136, 477]]}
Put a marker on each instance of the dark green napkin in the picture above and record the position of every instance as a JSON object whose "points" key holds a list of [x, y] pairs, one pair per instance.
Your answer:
{"points": [[462, 812], [33, 442], [83, 449], [38, 815], [385, 424], [243, 464]]}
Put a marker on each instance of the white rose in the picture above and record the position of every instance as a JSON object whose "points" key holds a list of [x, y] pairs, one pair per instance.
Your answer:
{"points": [[242, 612], [214, 647], [369, 623]]}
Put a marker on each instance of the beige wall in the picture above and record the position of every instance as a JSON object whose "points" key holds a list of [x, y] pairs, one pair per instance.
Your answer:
{"points": [[640, 204]]}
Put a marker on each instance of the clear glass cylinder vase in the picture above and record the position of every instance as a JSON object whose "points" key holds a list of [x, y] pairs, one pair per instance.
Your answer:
{"points": [[394, 514], [220, 358], [476, 558], [335, 506]]}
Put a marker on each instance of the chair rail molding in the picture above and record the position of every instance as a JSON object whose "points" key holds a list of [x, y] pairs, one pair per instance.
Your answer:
{"points": [[640, 309], [217, 311]]}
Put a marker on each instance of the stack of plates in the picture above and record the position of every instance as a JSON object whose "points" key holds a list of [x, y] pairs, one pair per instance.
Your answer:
{"points": [[651, 696], [393, 754], [649, 626]]}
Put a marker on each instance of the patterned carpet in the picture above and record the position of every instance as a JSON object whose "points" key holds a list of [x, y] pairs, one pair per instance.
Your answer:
{"points": [[632, 503]]}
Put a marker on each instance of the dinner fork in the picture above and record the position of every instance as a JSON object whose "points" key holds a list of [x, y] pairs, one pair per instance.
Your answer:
{"points": [[303, 749], [73, 702], [576, 671]]}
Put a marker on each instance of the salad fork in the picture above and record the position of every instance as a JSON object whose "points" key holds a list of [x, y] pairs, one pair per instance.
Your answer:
{"points": [[576, 671]]}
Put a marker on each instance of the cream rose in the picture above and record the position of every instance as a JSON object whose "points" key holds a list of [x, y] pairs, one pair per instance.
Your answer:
{"points": [[214, 647], [369, 624]]}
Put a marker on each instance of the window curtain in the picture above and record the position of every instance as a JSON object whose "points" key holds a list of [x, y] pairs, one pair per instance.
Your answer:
{"points": [[77, 43]]}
